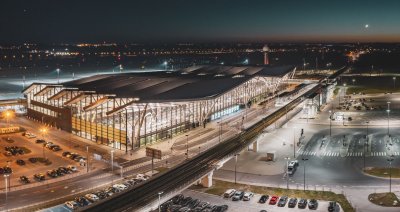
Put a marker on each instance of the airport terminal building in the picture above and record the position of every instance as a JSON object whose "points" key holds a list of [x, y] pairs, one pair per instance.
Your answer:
{"points": [[130, 110]]}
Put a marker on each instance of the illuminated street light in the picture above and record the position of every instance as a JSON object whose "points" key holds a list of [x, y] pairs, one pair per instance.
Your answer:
{"points": [[353, 81], [246, 61], [43, 131], [120, 68], [8, 114], [394, 82], [159, 200], [58, 75], [165, 65]]}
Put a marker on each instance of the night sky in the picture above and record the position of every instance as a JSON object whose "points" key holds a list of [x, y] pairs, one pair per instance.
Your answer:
{"points": [[55, 21]]}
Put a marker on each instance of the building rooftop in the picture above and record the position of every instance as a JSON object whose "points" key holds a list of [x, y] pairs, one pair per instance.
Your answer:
{"points": [[198, 82]]}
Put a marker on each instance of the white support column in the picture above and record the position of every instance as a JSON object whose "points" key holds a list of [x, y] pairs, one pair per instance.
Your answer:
{"points": [[206, 181], [255, 146]]}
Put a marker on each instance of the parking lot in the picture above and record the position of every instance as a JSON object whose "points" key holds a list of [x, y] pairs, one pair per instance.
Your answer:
{"points": [[25, 157], [251, 205]]}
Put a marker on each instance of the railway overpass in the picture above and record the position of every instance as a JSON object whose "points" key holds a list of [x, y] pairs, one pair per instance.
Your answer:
{"points": [[145, 196]]}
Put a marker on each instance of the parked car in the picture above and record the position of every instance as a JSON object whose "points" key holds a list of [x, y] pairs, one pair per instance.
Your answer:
{"points": [[282, 201], [72, 168], [64, 154], [20, 162], [273, 200], [263, 199], [39, 177], [40, 141], [229, 193], [71, 205], [7, 170], [302, 203], [82, 201], [313, 204], [247, 196], [24, 179], [92, 197], [120, 186], [292, 202], [238, 195], [333, 207]]}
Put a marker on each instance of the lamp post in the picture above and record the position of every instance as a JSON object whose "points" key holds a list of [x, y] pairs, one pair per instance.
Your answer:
{"points": [[159, 200], [43, 131], [388, 113], [330, 124], [6, 183], [287, 174], [394, 83], [294, 142], [390, 159], [87, 158], [220, 129], [236, 155], [304, 160], [353, 80], [112, 167], [187, 147], [58, 75], [165, 65]]}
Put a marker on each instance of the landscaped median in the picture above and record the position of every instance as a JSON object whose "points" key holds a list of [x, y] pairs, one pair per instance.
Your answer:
{"points": [[383, 172], [219, 187], [384, 199]]}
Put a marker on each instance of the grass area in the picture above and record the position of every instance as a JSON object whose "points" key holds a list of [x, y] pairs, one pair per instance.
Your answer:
{"points": [[219, 187], [46, 162], [384, 199], [8, 139], [369, 90], [382, 171], [336, 91], [161, 169]]}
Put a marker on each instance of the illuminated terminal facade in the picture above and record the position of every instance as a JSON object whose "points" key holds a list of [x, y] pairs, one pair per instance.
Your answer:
{"points": [[130, 110]]}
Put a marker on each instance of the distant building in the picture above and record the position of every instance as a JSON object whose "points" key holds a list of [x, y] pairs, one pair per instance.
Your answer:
{"points": [[130, 110]]}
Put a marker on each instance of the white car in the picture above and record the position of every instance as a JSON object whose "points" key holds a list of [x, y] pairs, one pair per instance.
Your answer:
{"points": [[72, 205], [72, 168], [92, 197], [229, 193], [142, 177], [247, 196], [120, 186], [30, 135]]}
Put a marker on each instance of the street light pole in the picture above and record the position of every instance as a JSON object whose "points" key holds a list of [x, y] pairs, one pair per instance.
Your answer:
{"points": [[294, 142], [390, 159], [287, 174], [304, 160], [235, 165], [58, 75], [87, 158], [394, 83], [159, 200], [388, 111], [6, 182], [187, 147], [112, 167], [330, 124]]}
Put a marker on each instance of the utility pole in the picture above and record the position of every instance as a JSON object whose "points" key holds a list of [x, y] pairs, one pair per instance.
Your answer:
{"points": [[304, 160]]}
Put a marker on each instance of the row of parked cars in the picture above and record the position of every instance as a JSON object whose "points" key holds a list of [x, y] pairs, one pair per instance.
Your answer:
{"points": [[6, 170], [179, 203], [90, 198], [49, 145], [279, 201], [13, 150], [73, 156], [60, 171]]}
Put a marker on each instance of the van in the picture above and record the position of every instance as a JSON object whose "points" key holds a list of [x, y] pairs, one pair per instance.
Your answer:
{"points": [[229, 193]]}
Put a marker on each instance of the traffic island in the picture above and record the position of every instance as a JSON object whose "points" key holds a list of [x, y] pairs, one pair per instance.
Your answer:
{"points": [[382, 172], [219, 187], [384, 199], [45, 161]]}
